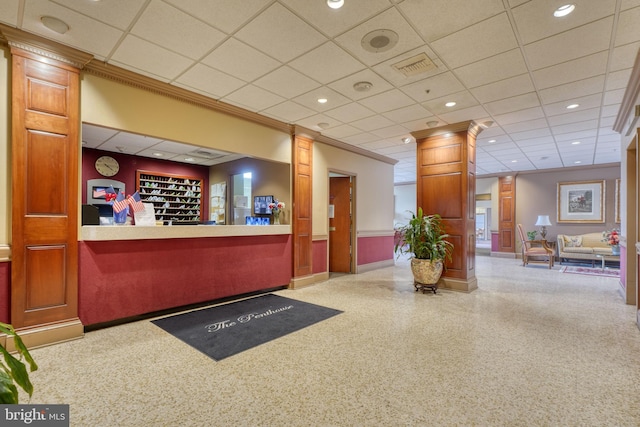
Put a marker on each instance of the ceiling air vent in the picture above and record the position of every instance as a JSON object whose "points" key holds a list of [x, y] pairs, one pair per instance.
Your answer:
{"points": [[206, 154], [415, 65]]}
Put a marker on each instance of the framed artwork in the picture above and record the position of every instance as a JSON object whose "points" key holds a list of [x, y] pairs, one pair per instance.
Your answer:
{"points": [[218, 204], [617, 201], [581, 201]]}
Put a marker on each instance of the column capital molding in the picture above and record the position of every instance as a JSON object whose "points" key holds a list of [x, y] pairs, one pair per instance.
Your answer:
{"points": [[470, 126], [40, 46]]}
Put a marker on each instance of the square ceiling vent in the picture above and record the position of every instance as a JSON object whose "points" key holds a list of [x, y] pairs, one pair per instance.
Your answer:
{"points": [[418, 64]]}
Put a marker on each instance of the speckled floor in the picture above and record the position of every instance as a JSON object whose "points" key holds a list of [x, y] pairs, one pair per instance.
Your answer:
{"points": [[530, 347]]}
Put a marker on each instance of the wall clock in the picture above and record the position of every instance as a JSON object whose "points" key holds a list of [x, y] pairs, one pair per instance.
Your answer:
{"points": [[107, 166]]}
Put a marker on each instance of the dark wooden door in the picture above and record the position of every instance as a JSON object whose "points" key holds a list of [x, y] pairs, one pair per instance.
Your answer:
{"points": [[44, 269], [340, 225]]}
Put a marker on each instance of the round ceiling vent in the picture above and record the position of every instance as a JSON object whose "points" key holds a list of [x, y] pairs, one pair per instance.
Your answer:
{"points": [[362, 86], [379, 41]]}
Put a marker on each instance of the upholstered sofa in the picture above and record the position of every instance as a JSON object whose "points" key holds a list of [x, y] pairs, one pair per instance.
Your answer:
{"points": [[584, 247]]}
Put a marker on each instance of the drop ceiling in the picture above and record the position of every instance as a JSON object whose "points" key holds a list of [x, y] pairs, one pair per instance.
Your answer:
{"points": [[507, 63]]}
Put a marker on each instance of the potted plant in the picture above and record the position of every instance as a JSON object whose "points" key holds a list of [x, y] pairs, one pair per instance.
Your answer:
{"points": [[532, 235], [13, 371], [424, 237]]}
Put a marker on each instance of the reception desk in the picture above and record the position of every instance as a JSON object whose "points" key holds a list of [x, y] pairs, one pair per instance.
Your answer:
{"points": [[128, 271]]}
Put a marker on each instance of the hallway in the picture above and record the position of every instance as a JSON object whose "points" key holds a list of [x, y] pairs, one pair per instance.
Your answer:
{"points": [[530, 347]]}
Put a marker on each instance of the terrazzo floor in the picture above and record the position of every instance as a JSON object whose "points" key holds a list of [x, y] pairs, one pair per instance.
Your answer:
{"points": [[530, 347]]}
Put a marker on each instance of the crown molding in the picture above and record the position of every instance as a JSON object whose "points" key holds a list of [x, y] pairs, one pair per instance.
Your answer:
{"points": [[628, 112], [467, 126], [40, 46]]}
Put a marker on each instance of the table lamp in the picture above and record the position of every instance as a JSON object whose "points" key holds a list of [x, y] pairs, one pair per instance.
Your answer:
{"points": [[543, 221]]}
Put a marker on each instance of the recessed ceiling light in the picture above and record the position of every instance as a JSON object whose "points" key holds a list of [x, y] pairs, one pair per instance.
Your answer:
{"points": [[432, 123], [514, 161], [450, 104], [189, 159], [323, 125], [158, 154], [335, 4], [491, 141], [575, 143], [564, 10], [406, 140], [55, 24], [572, 106], [577, 162], [322, 100]]}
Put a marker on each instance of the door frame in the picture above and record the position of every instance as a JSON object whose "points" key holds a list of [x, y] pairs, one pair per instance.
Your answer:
{"points": [[354, 247]]}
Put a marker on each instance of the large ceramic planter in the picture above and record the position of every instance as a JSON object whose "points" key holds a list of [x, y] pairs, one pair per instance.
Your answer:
{"points": [[426, 273]]}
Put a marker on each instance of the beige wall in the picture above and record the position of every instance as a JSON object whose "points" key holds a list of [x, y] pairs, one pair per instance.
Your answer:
{"points": [[536, 194], [5, 152], [114, 105], [374, 189]]}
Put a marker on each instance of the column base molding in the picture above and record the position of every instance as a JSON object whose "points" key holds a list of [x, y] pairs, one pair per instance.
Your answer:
{"points": [[461, 285], [52, 333], [301, 282]]}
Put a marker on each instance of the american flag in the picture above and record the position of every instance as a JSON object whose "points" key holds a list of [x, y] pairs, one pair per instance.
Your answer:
{"points": [[135, 202], [119, 204], [100, 192]]}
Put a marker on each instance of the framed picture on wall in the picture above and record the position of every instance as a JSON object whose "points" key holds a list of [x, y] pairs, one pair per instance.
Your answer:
{"points": [[582, 202], [617, 201]]}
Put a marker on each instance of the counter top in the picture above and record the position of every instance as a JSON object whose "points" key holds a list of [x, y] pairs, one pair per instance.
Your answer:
{"points": [[131, 232]]}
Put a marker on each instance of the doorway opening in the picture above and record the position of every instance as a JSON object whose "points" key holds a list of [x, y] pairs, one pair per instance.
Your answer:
{"points": [[341, 223]]}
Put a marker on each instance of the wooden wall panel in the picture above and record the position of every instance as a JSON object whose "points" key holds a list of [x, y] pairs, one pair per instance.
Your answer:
{"points": [[301, 212], [45, 123], [444, 193], [506, 214]]}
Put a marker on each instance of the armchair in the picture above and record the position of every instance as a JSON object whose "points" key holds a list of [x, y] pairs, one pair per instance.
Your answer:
{"points": [[534, 248]]}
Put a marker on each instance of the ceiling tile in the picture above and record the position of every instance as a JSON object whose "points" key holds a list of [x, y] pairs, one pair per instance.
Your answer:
{"points": [[452, 15], [210, 81], [226, 15], [150, 58], [582, 41], [578, 116], [520, 102], [387, 101], [350, 112], [240, 60], [317, 65], [361, 138], [265, 33], [585, 102], [624, 56], [391, 131], [492, 69], [310, 99], [433, 87], [408, 113], [289, 112], [506, 88], [570, 71], [457, 116], [372, 123], [344, 131], [253, 97], [345, 85], [627, 28], [618, 79], [172, 29], [613, 97], [463, 100], [287, 82], [573, 90], [9, 12], [519, 116], [480, 41], [312, 122], [116, 13]]}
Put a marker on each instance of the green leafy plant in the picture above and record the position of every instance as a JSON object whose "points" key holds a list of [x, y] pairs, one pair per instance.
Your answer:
{"points": [[532, 235], [424, 237], [13, 371]]}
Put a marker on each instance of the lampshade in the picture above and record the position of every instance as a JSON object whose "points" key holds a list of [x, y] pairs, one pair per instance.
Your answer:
{"points": [[543, 220]]}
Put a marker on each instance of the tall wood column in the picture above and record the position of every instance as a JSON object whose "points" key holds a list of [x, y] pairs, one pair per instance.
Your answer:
{"points": [[507, 214], [45, 155], [446, 185], [302, 207]]}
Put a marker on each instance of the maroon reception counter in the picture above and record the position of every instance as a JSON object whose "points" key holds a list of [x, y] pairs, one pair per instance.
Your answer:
{"points": [[127, 271]]}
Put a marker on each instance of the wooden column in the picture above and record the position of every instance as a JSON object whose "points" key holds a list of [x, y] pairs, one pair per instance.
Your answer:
{"points": [[302, 238], [446, 185], [507, 214], [44, 151]]}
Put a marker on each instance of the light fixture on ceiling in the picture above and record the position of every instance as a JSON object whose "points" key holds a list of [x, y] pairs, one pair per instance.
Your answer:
{"points": [[189, 159], [564, 10], [335, 4], [514, 161], [323, 125], [432, 123], [406, 140], [158, 154], [575, 143], [491, 141], [577, 162], [55, 24], [362, 86], [572, 106], [379, 41], [450, 104], [322, 100]]}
